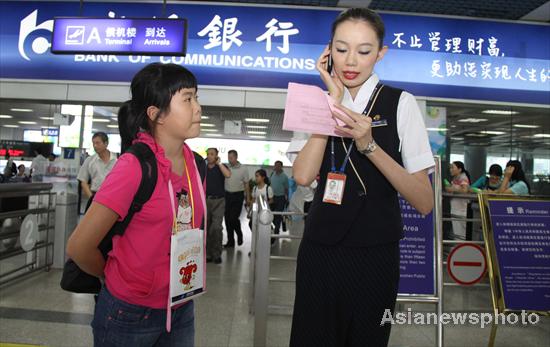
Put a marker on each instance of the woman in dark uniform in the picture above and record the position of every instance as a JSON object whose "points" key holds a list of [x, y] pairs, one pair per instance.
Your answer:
{"points": [[348, 263]]}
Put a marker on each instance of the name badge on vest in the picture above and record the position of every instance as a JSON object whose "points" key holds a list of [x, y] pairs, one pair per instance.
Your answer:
{"points": [[334, 188], [377, 121]]}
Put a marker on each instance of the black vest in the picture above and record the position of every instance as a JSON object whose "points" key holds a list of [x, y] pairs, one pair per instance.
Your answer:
{"points": [[363, 219]]}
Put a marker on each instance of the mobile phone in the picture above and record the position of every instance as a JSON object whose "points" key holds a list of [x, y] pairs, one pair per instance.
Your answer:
{"points": [[329, 63]]}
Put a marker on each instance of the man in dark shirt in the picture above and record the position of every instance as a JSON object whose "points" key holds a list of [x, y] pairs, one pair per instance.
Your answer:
{"points": [[215, 204]]}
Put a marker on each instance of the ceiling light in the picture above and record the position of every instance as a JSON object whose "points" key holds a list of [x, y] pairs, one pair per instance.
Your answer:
{"points": [[101, 120], [26, 122], [256, 126], [526, 126], [503, 112], [491, 132], [21, 109], [208, 125], [542, 135], [256, 137], [112, 126], [210, 130], [205, 117], [257, 132], [473, 120], [257, 120], [457, 138], [10, 126], [5, 116], [46, 118], [475, 135], [436, 129], [213, 135]]}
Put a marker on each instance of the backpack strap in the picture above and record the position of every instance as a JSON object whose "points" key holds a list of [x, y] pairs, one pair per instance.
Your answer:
{"points": [[201, 166], [147, 185]]}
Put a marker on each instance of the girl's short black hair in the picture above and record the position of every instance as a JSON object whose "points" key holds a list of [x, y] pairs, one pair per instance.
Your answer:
{"points": [[154, 85]]}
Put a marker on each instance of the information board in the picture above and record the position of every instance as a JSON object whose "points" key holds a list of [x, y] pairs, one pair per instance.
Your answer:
{"points": [[517, 235]]}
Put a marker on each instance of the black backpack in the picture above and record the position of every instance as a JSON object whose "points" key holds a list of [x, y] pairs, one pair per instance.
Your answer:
{"points": [[77, 281]]}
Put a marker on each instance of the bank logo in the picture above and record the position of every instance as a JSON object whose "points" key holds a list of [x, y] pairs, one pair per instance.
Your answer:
{"points": [[74, 35], [40, 45]]}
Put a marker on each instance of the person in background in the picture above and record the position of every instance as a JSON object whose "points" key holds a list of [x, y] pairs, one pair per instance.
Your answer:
{"points": [[96, 167], [460, 184], [262, 187], [216, 174], [514, 181], [10, 169], [21, 174], [39, 166], [236, 190], [52, 157], [309, 192], [491, 181], [279, 183], [133, 304]]}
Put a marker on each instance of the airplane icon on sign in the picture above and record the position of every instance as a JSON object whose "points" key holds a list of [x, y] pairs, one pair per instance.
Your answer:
{"points": [[74, 35]]}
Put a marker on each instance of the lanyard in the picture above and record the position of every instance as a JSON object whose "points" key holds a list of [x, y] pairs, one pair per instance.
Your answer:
{"points": [[171, 191], [348, 153]]}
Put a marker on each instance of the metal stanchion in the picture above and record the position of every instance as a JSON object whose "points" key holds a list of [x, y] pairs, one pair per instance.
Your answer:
{"points": [[262, 226]]}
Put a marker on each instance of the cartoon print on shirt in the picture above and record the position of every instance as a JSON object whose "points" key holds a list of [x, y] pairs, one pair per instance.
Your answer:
{"points": [[184, 212]]}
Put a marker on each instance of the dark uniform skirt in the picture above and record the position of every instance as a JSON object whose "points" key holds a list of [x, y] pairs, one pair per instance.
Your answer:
{"points": [[342, 294]]}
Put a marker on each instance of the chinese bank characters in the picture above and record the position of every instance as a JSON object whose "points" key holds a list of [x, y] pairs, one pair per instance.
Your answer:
{"points": [[225, 33]]}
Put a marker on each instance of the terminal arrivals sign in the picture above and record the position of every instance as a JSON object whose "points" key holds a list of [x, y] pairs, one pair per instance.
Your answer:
{"points": [[257, 46], [73, 35]]}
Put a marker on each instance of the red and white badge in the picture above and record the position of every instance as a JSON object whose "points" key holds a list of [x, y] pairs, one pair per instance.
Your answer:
{"points": [[334, 188]]}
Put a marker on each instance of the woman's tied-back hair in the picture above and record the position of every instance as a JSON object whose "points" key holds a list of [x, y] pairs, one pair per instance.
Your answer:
{"points": [[263, 174], [154, 85], [366, 15], [460, 165]]}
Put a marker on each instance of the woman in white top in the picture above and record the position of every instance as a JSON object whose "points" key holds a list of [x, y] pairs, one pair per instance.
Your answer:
{"points": [[348, 263], [262, 187]]}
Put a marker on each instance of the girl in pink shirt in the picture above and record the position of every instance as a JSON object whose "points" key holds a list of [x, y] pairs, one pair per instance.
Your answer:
{"points": [[131, 309]]}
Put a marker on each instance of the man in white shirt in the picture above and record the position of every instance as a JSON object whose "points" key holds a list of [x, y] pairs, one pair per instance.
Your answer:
{"points": [[39, 166], [96, 167]]}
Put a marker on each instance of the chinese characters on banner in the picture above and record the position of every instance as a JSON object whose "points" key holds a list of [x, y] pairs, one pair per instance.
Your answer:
{"points": [[475, 66]]}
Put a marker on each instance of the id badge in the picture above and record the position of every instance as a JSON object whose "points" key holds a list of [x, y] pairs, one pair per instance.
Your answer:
{"points": [[334, 188], [377, 121], [187, 267]]}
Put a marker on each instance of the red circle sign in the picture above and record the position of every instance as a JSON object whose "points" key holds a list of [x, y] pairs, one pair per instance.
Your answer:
{"points": [[466, 264]]}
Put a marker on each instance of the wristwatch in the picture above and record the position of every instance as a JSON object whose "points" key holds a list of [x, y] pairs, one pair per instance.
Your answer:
{"points": [[371, 147]]}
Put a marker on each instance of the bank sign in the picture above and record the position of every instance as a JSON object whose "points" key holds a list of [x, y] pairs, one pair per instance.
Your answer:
{"points": [[267, 47]]}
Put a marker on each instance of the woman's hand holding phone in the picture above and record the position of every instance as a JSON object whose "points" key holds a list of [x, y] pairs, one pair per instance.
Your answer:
{"points": [[332, 80]]}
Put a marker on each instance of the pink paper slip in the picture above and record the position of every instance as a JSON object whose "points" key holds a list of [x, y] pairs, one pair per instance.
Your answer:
{"points": [[309, 109]]}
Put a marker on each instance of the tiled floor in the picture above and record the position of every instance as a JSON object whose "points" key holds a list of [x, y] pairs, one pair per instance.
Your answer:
{"points": [[37, 311]]}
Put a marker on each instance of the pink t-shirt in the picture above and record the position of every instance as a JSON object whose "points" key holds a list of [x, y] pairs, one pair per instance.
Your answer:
{"points": [[138, 266]]}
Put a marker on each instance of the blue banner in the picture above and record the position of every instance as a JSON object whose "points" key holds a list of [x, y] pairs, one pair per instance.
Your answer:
{"points": [[268, 47], [417, 264], [521, 233], [119, 36]]}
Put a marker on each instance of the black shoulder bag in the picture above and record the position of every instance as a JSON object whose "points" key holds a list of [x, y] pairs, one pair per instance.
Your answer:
{"points": [[77, 281]]}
